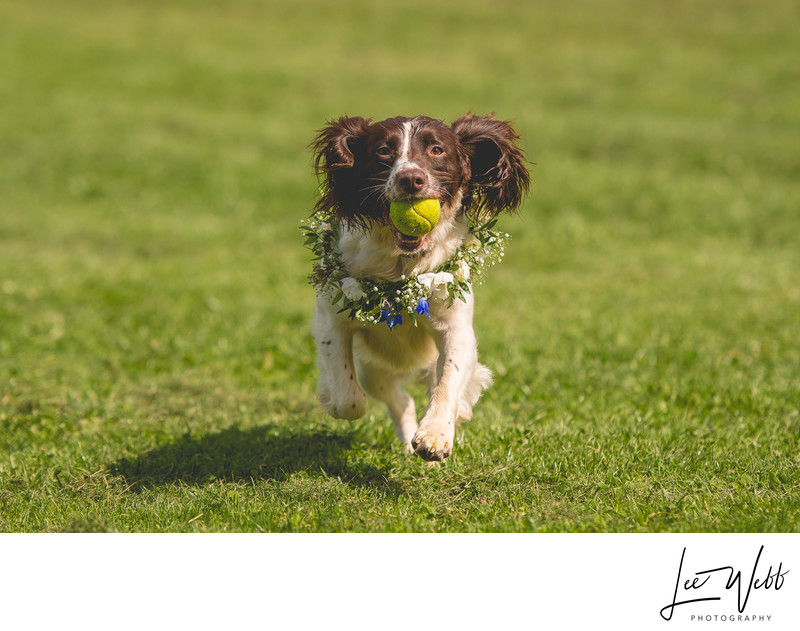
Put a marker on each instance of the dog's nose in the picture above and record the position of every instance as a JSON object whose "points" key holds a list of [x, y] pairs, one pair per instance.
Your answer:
{"points": [[412, 180]]}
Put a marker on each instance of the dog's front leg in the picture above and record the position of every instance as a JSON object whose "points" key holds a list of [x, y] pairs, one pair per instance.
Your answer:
{"points": [[337, 388], [458, 357]]}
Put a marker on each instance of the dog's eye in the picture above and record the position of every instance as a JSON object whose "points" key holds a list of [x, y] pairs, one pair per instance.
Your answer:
{"points": [[384, 152], [436, 150]]}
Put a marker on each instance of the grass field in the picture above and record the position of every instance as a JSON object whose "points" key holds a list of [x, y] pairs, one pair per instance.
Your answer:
{"points": [[156, 365]]}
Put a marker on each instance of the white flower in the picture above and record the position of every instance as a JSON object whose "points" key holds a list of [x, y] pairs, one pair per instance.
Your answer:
{"points": [[351, 288], [463, 271], [472, 243], [324, 226], [436, 283]]}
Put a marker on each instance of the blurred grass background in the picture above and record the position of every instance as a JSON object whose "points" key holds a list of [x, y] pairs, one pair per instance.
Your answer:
{"points": [[156, 366]]}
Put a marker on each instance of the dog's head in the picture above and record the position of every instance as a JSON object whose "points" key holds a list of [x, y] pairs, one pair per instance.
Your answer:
{"points": [[474, 166]]}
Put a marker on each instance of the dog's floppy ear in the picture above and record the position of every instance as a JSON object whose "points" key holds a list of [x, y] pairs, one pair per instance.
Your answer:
{"points": [[497, 178], [335, 147]]}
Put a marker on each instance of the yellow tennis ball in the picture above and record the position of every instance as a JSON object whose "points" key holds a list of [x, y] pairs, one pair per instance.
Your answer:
{"points": [[415, 217]]}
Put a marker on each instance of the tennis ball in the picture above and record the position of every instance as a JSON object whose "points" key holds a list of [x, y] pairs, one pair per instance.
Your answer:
{"points": [[415, 217]]}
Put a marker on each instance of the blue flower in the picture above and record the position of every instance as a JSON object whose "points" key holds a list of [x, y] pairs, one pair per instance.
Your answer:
{"points": [[391, 319], [394, 319], [422, 308]]}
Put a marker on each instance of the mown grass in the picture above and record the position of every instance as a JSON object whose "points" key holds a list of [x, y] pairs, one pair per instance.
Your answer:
{"points": [[156, 366]]}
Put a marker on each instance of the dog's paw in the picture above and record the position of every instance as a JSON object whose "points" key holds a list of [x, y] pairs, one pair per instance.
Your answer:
{"points": [[348, 409], [350, 406], [433, 442]]}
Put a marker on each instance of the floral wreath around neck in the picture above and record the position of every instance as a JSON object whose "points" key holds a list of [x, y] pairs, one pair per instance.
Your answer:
{"points": [[373, 300]]}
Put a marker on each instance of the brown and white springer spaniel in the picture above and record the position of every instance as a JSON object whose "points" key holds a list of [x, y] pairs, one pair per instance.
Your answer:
{"points": [[476, 170]]}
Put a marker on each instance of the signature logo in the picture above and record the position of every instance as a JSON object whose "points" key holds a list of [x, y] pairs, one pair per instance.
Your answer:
{"points": [[713, 583]]}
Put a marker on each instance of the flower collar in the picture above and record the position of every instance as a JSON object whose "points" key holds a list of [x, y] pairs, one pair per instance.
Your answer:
{"points": [[373, 300]]}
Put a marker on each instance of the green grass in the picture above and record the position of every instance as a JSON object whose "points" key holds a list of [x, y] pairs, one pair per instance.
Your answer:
{"points": [[156, 365]]}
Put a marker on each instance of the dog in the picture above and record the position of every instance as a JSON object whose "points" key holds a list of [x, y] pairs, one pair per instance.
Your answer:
{"points": [[475, 169]]}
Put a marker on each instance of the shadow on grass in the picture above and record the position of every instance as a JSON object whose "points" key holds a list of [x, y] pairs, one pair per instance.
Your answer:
{"points": [[272, 452]]}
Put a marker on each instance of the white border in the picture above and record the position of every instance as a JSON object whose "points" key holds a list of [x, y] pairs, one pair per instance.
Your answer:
{"points": [[382, 582]]}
